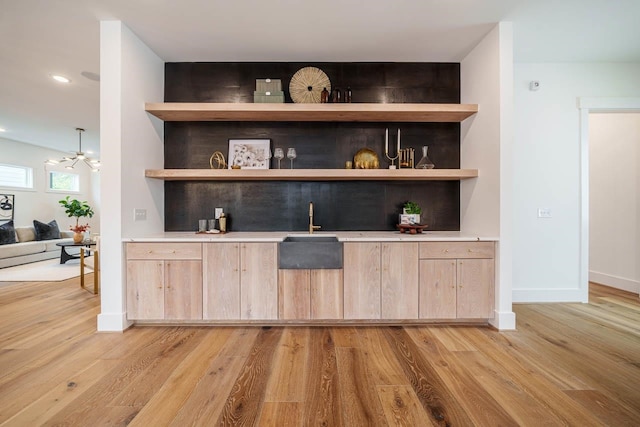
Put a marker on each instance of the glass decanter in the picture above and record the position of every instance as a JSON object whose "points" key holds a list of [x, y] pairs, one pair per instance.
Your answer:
{"points": [[425, 162]]}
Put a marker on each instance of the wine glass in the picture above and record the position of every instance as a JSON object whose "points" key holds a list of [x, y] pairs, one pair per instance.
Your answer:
{"points": [[278, 154], [267, 157], [291, 154]]}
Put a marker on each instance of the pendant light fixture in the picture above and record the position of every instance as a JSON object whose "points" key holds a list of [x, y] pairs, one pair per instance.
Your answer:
{"points": [[94, 164]]}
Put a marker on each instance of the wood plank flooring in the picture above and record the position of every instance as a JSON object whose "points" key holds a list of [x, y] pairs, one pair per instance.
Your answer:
{"points": [[568, 364]]}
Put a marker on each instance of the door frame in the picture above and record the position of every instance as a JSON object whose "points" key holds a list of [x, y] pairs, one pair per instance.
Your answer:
{"points": [[587, 106]]}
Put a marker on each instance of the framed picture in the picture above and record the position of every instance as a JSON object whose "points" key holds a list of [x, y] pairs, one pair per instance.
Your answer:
{"points": [[7, 203], [249, 153]]}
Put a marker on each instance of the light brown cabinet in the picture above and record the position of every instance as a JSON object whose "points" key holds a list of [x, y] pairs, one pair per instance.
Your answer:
{"points": [[310, 294], [475, 294], [240, 281], [381, 280], [259, 281], [221, 281], [164, 281], [399, 286], [438, 289], [362, 281], [456, 280]]}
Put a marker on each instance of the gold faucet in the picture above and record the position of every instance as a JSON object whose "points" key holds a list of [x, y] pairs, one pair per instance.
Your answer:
{"points": [[311, 226]]}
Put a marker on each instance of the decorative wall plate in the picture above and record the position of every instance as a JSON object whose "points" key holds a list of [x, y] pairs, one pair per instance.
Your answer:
{"points": [[366, 158], [306, 85]]}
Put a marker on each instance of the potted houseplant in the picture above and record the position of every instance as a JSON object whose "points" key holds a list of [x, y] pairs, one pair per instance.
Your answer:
{"points": [[410, 213], [75, 208]]}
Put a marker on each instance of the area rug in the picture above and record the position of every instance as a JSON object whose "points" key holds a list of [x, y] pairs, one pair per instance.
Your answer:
{"points": [[42, 271]]}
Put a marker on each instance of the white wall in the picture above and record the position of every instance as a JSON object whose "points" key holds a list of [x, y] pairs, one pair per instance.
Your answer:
{"points": [[131, 141], [614, 153], [546, 251], [486, 77], [40, 203]]}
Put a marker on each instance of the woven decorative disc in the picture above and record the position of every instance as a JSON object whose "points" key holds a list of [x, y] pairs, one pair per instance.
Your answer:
{"points": [[306, 85]]}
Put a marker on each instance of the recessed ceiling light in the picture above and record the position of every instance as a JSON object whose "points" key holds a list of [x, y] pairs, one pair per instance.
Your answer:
{"points": [[61, 79], [3, 130]]}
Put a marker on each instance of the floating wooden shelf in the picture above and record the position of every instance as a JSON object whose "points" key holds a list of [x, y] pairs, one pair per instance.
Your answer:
{"points": [[311, 174], [238, 112]]}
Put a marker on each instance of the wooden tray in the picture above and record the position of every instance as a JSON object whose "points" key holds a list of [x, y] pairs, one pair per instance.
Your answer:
{"points": [[411, 228]]}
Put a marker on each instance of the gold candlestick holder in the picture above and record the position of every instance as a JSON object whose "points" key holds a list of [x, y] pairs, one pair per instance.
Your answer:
{"points": [[407, 156], [391, 159], [386, 148]]}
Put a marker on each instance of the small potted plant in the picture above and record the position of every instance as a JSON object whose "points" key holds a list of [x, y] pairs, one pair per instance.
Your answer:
{"points": [[410, 213], [75, 208]]}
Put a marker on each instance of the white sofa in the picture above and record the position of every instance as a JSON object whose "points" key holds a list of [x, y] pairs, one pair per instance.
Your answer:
{"points": [[28, 249]]}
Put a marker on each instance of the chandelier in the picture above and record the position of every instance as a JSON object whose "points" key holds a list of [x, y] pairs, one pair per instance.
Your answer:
{"points": [[94, 164]]}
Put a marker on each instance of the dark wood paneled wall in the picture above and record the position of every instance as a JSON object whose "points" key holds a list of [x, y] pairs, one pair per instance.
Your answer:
{"points": [[265, 206]]}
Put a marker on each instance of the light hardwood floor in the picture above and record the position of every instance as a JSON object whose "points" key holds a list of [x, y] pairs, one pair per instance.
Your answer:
{"points": [[568, 364]]}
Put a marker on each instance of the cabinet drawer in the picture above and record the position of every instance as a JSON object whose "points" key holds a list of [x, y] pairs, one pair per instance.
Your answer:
{"points": [[164, 251], [429, 250]]}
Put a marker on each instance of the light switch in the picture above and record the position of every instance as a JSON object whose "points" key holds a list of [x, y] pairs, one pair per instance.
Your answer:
{"points": [[139, 214], [544, 213]]}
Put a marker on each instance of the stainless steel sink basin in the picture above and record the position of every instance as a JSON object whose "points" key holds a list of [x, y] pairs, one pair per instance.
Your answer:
{"points": [[310, 252], [310, 238]]}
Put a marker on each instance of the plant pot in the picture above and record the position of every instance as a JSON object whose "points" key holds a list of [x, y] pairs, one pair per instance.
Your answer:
{"points": [[78, 237], [409, 219]]}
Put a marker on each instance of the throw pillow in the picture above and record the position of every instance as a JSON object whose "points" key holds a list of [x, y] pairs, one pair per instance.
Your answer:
{"points": [[46, 231], [7, 233]]}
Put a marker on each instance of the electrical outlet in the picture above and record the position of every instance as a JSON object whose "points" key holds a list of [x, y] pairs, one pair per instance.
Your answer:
{"points": [[544, 213], [218, 212], [139, 214]]}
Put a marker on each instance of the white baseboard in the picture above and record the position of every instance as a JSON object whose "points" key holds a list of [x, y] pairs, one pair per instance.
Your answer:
{"points": [[622, 283], [504, 320], [549, 295], [113, 322]]}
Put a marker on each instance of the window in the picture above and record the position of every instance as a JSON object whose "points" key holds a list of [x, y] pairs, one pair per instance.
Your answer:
{"points": [[16, 176], [63, 181]]}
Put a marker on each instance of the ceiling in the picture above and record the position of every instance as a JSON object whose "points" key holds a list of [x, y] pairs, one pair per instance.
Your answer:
{"points": [[39, 38]]}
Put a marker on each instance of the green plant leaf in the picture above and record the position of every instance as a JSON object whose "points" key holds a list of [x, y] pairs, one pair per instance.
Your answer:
{"points": [[412, 208]]}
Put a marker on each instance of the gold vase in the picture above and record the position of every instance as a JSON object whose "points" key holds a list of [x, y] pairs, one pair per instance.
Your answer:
{"points": [[78, 237]]}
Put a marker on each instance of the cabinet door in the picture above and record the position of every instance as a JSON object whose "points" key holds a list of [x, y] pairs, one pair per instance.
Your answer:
{"points": [[475, 288], [182, 290], [294, 294], [361, 280], [399, 280], [326, 294], [438, 288], [145, 290], [221, 281], [259, 281]]}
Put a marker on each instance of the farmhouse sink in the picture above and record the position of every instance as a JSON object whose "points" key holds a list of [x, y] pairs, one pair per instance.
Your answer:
{"points": [[310, 252]]}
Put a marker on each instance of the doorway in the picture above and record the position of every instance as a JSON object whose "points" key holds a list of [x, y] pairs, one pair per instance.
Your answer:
{"points": [[613, 214]]}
